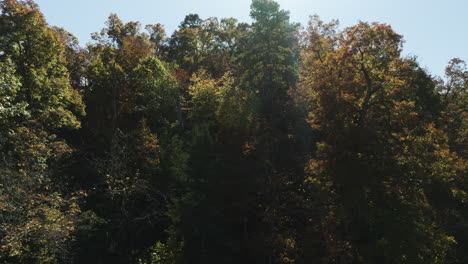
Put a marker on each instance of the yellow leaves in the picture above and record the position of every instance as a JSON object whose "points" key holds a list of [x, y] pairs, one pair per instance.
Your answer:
{"points": [[31, 148], [43, 221], [203, 86], [216, 100], [120, 185], [60, 149], [314, 167], [147, 145], [287, 244], [248, 148], [460, 195], [34, 148]]}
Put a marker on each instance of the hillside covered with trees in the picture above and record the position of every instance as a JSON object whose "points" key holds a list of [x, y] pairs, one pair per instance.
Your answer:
{"points": [[227, 142]]}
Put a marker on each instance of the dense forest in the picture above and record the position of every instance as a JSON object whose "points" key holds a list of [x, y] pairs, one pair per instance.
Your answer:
{"points": [[227, 142]]}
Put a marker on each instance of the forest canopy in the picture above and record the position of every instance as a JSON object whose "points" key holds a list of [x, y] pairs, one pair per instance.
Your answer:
{"points": [[227, 142]]}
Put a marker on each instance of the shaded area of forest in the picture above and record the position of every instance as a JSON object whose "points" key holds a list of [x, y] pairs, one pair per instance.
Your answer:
{"points": [[227, 142]]}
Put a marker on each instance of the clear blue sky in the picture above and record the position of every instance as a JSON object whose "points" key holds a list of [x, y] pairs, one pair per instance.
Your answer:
{"points": [[434, 30]]}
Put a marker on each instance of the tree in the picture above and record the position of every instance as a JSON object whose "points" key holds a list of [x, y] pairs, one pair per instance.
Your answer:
{"points": [[454, 98], [227, 142], [450, 199], [116, 52], [268, 62], [206, 44], [38, 213], [39, 57], [157, 35], [133, 125], [378, 153], [156, 93], [214, 193]]}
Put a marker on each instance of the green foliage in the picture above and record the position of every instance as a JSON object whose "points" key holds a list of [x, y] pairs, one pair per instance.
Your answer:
{"points": [[227, 142], [207, 44], [37, 215], [455, 100], [40, 62], [217, 102], [155, 92], [11, 109], [269, 57], [162, 253]]}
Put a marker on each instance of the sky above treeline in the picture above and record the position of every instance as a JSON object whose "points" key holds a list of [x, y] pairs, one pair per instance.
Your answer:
{"points": [[435, 31]]}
